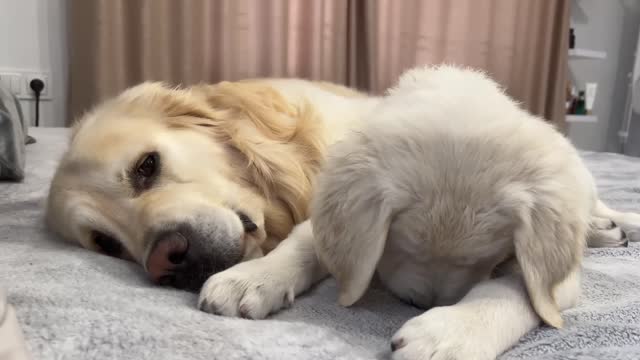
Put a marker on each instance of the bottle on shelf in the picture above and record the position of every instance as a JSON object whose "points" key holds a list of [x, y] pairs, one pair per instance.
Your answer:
{"points": [[581, 108], [572, 39]]}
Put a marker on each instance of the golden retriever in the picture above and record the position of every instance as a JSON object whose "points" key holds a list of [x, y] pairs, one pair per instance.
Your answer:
{"points": [[198, 184]]}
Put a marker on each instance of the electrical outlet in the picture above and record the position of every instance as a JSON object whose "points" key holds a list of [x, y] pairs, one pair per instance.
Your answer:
{"points": [[28, 76]]}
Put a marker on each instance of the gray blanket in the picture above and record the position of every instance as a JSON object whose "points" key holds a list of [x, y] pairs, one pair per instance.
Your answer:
{"points": [[75, 304]]}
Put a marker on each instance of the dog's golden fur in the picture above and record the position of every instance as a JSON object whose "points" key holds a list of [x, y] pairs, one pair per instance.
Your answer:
{"points": [[271, 148], [277, 145]]}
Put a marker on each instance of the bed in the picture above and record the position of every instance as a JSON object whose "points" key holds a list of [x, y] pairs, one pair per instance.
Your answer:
{"points": [[76, 304]]}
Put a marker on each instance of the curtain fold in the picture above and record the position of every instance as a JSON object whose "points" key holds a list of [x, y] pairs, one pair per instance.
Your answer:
{"points": [[522, 44], [118, 43], [361, 43]]}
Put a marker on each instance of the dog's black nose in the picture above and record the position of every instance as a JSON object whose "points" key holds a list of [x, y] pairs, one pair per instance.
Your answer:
{"points": [[185, 259]]}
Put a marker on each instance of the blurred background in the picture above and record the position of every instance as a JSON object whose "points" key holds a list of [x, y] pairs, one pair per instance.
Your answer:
{"points": [[570, 61]]}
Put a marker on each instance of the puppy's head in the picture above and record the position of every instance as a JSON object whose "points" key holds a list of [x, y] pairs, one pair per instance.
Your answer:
{"points": [[163, 177]]}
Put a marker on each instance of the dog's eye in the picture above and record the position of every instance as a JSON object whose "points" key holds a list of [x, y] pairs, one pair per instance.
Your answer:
{"points": [[149, 165], [247, 223], [145, 171], [107, 244]]}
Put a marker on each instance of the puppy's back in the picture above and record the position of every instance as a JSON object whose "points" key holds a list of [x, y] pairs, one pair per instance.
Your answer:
{"points": [[453, 166]]}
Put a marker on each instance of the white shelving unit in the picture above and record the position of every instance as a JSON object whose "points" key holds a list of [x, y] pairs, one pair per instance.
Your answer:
{"points": [[587, 54], [582, 118]]}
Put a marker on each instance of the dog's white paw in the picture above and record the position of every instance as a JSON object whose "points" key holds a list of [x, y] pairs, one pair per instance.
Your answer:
{"points": [[630, 224], [442, 333], [253, 290]]}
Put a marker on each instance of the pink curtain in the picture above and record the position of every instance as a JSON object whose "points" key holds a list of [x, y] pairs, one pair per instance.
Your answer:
{"points": [[361, 43], [522, 44]]}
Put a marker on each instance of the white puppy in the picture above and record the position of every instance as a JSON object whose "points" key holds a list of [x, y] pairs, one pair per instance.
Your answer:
{"points": [[455, 196], [463, 203]]}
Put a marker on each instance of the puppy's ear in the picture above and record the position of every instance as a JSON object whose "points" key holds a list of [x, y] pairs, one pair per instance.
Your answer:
{"points": [[547, 248], [350, 219]]}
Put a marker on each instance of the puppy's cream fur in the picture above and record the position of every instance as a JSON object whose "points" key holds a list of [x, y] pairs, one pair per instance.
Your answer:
{"points": [[448, 185], [258, 145]]}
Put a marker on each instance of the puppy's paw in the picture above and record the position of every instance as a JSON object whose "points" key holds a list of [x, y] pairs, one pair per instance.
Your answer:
{"points": [[442, 333], [627, 223], [614, 237], [252, 290]]}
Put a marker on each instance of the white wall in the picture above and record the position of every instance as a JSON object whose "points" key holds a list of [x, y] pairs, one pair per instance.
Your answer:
{"points": [[610, 26], [33, 37]]}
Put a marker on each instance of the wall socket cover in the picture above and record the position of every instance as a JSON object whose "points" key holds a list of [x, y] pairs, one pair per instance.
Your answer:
{"points": [[11, 82], [17, 81]]}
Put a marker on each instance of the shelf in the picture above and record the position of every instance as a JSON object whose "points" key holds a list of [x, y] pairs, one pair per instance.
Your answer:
{"points": [[582, 118], [586, 54]]}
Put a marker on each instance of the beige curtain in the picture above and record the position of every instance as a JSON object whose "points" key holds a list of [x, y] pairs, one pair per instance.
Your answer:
{"points": [[361, 43], [523, 44]]}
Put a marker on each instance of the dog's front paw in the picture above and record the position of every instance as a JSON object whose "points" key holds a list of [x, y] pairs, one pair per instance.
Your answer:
{"points": [[442, 333], [253, 290]]}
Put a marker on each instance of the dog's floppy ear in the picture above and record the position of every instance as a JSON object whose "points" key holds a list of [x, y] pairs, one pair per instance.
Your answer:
{"points": [[350, 219], [278, 137], [547, 248]]}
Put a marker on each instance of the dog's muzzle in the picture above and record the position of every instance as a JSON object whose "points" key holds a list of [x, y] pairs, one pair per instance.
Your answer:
{"points": [[185, 258]]}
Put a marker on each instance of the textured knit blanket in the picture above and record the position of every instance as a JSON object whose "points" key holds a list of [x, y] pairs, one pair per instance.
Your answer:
{"points": [[75, 304]]}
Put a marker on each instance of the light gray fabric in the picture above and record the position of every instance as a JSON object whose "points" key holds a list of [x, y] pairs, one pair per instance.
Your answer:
{"points": [[74, 304], [13, 132]]}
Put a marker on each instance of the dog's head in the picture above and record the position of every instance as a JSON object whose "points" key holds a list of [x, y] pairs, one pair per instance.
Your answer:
{"points": [[186, 182]]}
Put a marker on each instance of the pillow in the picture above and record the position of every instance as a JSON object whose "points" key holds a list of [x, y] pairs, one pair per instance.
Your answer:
{"points": [[13, 137]]}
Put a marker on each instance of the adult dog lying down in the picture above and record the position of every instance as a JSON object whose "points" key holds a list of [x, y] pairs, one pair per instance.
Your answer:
{"points": [[442, 183]]}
